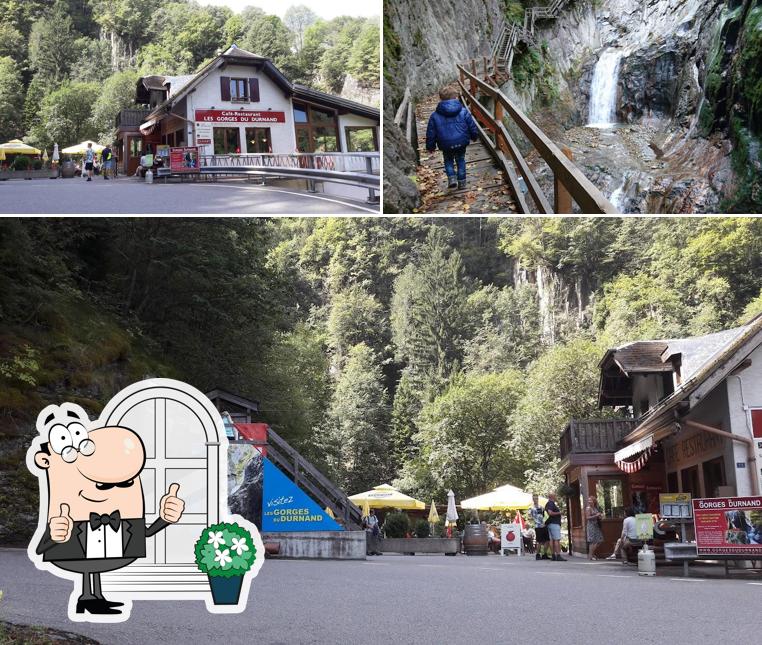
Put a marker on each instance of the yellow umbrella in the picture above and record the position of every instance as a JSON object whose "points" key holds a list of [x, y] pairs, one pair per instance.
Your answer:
{"points": [[2, 154], [433, 515], [365, 509], [80, 148], [45, 155], [504, 498], [17, 146], [385, 496]]}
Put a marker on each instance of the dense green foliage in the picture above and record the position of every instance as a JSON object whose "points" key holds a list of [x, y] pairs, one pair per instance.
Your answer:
{"points": [[50, 45], [430, 354]]}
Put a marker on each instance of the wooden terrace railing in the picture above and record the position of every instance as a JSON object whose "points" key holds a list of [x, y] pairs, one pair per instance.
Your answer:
{"points": [[569, 182], [595, 435]]}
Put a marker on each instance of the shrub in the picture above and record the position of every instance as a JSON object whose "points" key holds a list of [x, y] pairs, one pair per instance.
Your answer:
{"points": [[396, 525], [37, 164], [439, 529], [21, 162], [225, 550], [422, 529]]}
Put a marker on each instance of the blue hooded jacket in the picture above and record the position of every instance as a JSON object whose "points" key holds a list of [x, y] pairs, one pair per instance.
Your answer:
{"points": [[450, 126]]}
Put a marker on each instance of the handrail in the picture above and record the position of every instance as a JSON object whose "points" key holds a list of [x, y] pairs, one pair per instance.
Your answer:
{"points": [[569, 182], [299, 467], [405, 119]]}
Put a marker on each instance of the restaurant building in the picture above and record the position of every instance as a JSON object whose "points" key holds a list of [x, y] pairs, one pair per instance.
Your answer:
{"points": [[241, 103], [690, 420]]}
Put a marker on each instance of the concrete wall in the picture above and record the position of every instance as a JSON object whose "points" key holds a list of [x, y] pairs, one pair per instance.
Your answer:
{"points": [[320, 545]]}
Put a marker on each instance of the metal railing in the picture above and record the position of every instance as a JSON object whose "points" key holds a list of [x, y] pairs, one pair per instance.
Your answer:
{"points": [[405, 119], [360, 169], [569, 182]]}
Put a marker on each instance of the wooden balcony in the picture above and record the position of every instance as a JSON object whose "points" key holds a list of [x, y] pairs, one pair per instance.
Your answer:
{"points": [[131, 117], [595, 435]]}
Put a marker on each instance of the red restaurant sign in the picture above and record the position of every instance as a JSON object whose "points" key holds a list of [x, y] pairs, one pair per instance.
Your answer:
{"points": [[728, 525], [184, 159], [240, 116]]}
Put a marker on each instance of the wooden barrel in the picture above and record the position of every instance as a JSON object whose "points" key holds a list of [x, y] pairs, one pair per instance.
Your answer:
{"points": [[475, 539], [67, 169]]}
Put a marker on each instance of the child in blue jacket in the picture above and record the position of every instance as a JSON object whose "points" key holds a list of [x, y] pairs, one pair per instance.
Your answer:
{"points": [[451, 127]]}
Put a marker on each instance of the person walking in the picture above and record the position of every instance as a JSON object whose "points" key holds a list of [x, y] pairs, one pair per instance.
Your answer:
{"points": [[537, 513], [451, 127], [106, 157], [89, 161], [554, 527], [594, 532]]}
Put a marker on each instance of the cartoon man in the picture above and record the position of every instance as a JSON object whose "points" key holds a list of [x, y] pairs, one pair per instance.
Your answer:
{"points": [[96, 516]]}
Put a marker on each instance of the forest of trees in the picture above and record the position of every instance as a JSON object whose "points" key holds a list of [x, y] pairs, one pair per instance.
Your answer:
{"points": [[67, 67], [428, 353]]}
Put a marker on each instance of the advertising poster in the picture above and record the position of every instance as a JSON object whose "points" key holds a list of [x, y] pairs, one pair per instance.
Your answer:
{"points": [[675, 505], [510, 537], [728, 525], [184, 159], [285, 507], [644, 525]]}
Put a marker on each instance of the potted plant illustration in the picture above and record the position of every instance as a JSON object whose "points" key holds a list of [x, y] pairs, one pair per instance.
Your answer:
{"points": [[225, 552]]}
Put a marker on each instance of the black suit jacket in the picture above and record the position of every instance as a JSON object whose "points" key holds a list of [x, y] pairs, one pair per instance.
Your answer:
{"points": [[134, 534]]}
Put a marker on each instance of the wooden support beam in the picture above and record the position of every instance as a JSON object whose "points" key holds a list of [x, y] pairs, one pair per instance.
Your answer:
{"points": [[563, 200]]}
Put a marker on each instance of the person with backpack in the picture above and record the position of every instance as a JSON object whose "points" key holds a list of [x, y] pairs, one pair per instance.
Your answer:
{"points": [[106, 159], [451, 127]]}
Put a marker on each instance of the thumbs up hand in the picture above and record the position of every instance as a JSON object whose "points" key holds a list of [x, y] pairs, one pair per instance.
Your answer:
{"points": [[60, 526], [171, 507]]}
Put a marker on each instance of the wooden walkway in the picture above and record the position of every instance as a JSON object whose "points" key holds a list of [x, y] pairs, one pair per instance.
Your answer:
{"points": [[486, 190]]}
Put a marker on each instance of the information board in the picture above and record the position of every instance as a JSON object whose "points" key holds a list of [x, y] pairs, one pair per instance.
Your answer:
{"points": [[510, 537], [184, 159], [728, 525], [675, 505], [644, 525]]}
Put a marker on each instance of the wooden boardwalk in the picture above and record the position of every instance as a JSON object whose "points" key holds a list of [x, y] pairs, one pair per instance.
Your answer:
{"points": [[486, 190]]}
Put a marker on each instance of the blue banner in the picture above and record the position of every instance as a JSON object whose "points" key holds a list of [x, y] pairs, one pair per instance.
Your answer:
{"points": [[285, 507]]}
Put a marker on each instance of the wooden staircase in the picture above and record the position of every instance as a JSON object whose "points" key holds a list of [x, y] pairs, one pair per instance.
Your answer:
{"points": [[312, 481], [509, 35]]}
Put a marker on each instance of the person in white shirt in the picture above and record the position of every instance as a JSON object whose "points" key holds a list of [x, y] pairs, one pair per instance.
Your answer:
{"points": [[628, 537]]}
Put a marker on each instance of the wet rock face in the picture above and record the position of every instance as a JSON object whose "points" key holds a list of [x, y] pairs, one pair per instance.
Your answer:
{"points": [[649, 84], [400, 192], [245, 482]]}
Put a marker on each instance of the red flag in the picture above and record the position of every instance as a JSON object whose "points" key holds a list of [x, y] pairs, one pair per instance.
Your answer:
{"points": [[519, 519]]}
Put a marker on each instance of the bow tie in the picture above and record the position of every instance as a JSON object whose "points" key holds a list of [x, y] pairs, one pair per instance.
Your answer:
{"points": [[114, 520]]}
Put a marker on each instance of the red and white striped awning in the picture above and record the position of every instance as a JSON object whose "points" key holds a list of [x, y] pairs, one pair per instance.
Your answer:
{"points": [[632, 458]]}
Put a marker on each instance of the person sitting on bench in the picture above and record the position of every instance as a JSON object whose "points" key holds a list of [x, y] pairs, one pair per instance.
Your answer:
{"points": [[629, 538]]}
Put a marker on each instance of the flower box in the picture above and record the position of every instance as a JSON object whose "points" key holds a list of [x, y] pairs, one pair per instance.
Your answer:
{"points": [[448, 546], [46, 173]]}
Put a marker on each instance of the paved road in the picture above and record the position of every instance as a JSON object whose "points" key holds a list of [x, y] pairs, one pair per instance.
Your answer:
{"points": [[131, 196], [421, 600]]}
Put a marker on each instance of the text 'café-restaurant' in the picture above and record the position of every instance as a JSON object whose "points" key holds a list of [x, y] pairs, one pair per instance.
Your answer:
{"points": [[240, 103]]}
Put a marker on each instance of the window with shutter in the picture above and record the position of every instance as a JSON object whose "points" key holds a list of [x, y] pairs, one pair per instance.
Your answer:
{"points": [[225, 88], [254, 89]]}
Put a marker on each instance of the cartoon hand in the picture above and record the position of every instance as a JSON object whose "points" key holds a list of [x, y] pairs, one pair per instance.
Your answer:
{"points": [[60, 527], [171, 507]]}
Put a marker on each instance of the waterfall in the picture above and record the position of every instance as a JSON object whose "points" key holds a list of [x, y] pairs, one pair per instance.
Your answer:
{"points": [[617, 197], [603, 89]]}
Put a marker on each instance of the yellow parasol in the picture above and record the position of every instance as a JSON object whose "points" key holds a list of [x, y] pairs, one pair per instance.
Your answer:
{"points": [[385, 496], [80, 148], [504, 498], [17, 146], [365, 509], [44, 155], [433, 515], [2, 154]]}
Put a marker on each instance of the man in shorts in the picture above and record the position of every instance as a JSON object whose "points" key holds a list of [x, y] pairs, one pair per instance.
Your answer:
{"points": [[537, 513], [89, 161], [554, 527]]}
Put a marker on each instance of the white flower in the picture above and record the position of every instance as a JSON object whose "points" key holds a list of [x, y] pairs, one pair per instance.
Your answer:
{"points": [[223, 557], [239, 546], [215, 539]]}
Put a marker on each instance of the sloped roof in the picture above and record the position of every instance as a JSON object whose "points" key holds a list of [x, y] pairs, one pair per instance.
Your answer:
{"points": [[698, 350], [640, 356], [308, 94], [176, 83]]}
